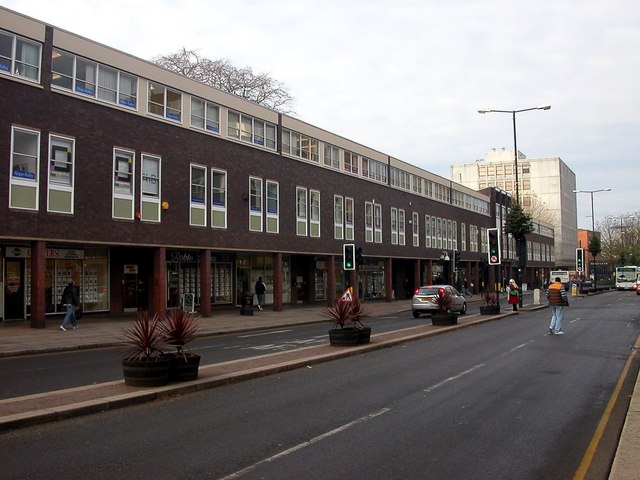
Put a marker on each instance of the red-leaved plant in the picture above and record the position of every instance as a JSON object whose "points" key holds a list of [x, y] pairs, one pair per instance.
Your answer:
{"points": [[145, 337]]}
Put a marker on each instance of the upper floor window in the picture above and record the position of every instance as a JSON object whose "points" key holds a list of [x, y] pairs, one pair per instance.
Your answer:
{"points": [[331, 156], [61, 174], [299, 145], [92, 79], [205, 115], [164, 101], [251, 130], [255, 204], [273, 206], [19, 57], [374, 170], [150, 188], [198, 200], [350, 162], [348, 218], [123, 186], [25, 164], [218, 198]]}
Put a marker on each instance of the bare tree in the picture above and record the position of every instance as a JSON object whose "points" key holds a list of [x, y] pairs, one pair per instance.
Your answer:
{"points": [[221, 74], [540, 211], [621, 239]]}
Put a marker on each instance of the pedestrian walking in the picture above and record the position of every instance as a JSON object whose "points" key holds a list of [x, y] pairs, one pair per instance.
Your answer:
{"points": [[260, 288], [557, 297], [70, 300], [512, 291]]}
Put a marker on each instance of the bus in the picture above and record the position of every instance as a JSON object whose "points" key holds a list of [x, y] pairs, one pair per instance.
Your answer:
{"points": [[564, 278], [626, 277]]}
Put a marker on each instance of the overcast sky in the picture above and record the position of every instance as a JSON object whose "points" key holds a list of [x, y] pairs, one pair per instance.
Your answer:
{"points": [[408, 77]]}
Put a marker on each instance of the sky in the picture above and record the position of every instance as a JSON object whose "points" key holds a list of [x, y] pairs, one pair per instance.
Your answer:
{"points": [[407, 77]]}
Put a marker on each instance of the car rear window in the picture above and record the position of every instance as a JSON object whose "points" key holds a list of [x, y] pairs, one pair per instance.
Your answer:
{"points": [[428, 291]]}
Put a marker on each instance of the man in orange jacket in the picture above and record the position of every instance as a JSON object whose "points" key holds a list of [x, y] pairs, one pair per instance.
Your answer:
{"points": [[557, 296]]}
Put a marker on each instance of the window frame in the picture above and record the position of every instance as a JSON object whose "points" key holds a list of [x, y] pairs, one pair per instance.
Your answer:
{"points": [[12, 65], [273, 217], [198, 205], [256, 198], [119, 196], [217, 192]]}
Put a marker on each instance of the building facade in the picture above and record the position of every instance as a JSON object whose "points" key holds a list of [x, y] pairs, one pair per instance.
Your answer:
{"points": [[153, 191], [545, 186]]}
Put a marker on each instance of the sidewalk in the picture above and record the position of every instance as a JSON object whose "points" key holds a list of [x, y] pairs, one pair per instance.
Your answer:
{"points": [[20, 339]]}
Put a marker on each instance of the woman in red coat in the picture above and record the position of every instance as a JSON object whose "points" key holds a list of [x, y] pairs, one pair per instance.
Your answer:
{"points": [[512, 291]]}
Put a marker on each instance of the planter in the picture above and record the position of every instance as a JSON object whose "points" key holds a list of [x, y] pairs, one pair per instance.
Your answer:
{"points": [[447, 318], [489, 309], [183, 366], [364, 335], [153, 372], [343, 336]]}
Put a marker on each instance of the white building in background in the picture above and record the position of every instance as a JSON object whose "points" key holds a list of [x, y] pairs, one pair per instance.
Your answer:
{"points": [[546, 189]]}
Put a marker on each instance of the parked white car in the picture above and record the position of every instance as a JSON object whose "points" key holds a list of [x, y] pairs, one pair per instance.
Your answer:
{"points": [[424, 300]]}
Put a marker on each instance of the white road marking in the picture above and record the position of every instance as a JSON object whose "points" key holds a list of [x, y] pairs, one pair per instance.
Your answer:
{"points": [[455, 377], [264, 333], [308, 443], [518, 347]]}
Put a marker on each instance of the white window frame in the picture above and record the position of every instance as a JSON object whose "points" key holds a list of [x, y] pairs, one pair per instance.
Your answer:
{"points": [[377, 222], [338, 217], [427, 231], [18, 67], [394, 226], [24, 179], [368, 221], [61, 171], [150, 197], [248, 129], [256, 200], [272, 206], [415, 228], [402, 237], [197, 205], [302, 211], [207, 117], [170, 108], [349, 212], [219, 207], [314, 214], [119, 181], [331, 156]]}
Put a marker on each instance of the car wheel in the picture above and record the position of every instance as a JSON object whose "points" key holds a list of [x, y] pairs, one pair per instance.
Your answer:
{"points": [[464, 308], [416, 314]]}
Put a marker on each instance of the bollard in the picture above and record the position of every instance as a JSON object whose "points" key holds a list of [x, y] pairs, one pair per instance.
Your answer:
{"points": [[536, 296]]}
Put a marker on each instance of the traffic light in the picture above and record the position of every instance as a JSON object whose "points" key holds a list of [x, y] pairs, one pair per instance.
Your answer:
{"points": [[493, 250], [579, 260], [359, 256], [348, 256]]}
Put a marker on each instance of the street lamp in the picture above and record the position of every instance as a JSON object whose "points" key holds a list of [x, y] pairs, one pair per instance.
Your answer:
{"points": [[515, 143], [593, 222]]}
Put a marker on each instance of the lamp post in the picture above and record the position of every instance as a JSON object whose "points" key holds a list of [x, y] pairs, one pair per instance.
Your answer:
{"points": [[515, 141], [593, 222]]}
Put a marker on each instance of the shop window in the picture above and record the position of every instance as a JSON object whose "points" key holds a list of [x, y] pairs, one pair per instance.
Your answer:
{"points": [[25, 164], [61, 174]]}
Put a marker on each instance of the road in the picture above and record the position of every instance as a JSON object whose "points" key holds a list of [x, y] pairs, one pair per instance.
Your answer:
{"points": [[503, 400], [26, 375]]}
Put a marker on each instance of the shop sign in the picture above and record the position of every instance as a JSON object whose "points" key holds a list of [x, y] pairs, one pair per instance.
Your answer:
{"points": [[182, 256], [57, 253], [130, 269]]}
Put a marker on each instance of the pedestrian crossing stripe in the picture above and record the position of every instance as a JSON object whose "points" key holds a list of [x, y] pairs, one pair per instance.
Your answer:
{"points": [[347, 296]]}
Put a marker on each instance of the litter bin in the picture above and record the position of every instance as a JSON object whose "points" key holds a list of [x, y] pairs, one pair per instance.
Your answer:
{"points": [[246, 304]]}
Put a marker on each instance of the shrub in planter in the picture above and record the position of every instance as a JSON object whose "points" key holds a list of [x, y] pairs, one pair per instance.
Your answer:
{"points": [[348, 328], [444, 315], [145, 365], [491, 305], [178, 328]]}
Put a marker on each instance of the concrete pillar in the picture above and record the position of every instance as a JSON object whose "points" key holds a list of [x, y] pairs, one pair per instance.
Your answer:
{"points": [[38, 274], [388, 279], [159, 303], [205, 283], [277, 282], [331, 279]]}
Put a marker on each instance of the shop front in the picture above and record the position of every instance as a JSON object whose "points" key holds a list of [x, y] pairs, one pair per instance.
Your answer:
{"points": [[88, 267]]}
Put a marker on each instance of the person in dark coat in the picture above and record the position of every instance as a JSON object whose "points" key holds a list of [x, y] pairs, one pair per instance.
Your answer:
{"points": [[70, 300], [260, 288]]}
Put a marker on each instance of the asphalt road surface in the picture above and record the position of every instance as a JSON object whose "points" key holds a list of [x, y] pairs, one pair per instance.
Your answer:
{"points": [[503, 400]]}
